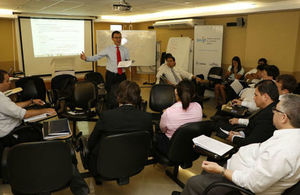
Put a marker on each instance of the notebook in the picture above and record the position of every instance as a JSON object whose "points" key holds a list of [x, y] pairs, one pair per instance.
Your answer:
{"points": [[56, 129], [13, 91]]}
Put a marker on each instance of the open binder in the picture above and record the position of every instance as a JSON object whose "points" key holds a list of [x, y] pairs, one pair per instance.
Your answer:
{"points": [[56, 129]]}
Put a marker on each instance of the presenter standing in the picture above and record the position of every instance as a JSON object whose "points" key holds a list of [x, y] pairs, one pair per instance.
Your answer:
{"points": [[114, 54]]}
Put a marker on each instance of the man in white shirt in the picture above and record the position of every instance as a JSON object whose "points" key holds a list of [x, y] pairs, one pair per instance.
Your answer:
{"points": [[12, 114], [171, 74], [114, 54], [267, 168]]}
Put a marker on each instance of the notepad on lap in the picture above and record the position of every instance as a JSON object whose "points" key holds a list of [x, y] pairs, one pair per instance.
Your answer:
{"points": [[212, 145]]}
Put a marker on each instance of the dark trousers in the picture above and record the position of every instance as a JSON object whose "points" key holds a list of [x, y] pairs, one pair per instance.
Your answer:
{"points": [[197, 184], [23, 133], [113, 79]]}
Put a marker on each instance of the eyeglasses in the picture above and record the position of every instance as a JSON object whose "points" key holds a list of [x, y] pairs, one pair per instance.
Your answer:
{"points": [[117, 37], [274, 109]]}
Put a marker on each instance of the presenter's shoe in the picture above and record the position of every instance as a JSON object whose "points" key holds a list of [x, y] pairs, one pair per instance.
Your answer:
{"points": [[176, 193]]}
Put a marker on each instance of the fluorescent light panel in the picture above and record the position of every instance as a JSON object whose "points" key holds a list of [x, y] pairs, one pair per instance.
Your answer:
{"points": [[6, 12], [180, 13]]}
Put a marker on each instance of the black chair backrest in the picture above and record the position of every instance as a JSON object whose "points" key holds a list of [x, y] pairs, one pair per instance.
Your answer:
{"points": [[85, 94], [181, 145], [62, 86], [123, 155], [162, 96], [94, 77], [215, 73], [33, 87], [39, 167]]}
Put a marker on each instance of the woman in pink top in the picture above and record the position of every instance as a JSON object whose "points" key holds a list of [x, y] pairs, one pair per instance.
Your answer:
{"points": [[182, 112]]}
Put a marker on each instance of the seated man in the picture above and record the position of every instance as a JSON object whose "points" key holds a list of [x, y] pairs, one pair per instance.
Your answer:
{"points": [[125, 118], [172, 75], [263, 168], [255, 74], [169, 74], [269, 72], [12, 114], [286, 83], [259, 126]]}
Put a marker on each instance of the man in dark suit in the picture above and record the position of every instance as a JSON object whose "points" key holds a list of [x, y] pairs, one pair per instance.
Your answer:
{"points": [[259, 125], [125, 118]]}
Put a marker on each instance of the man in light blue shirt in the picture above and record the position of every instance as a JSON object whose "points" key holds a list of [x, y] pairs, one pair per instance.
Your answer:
{"points": [[114, 54]]}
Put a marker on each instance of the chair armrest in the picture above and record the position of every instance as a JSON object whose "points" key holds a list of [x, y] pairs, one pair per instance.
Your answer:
{"points": [[228, 185], [213, 156]]}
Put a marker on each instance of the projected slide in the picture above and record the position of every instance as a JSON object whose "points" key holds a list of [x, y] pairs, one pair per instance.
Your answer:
{"points": [[57, 37]]}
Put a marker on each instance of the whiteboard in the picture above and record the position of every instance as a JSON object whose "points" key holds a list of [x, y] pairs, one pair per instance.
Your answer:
{"points": [[207, 48], [181, 49], [141, 45]]}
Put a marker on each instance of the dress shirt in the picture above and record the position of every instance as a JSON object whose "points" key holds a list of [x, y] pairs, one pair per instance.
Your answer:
{"points": [[247, 95], [270, 167], [111, 55], [231, 76], [11, 115], [167, 71], [175, 116]]}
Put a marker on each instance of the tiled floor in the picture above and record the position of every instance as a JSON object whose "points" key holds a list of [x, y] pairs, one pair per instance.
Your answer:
{"points": [[151, 181]]}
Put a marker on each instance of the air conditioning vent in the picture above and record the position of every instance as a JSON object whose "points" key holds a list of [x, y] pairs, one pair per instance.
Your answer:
{"points": [[178, 24]]}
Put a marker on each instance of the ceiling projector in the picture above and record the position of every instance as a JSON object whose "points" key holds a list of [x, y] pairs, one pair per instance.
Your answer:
{"points": [[122, 5]]}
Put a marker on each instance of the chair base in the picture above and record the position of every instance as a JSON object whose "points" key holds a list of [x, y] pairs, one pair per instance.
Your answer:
{"points": [[174, 176]]}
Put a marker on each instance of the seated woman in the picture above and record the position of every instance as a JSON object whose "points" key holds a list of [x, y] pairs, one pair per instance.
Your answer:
{"points": [[235, 71], [125, 118], [182, 112]]}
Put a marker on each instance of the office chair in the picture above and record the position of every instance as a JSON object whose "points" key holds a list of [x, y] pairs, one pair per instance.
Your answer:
{"points": [[97, 79], [181, 151], [214, 76], [162, 96], [120, 156], [236, 190], [84, 99], [62, 91], [38, 167], [33, 88]]}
